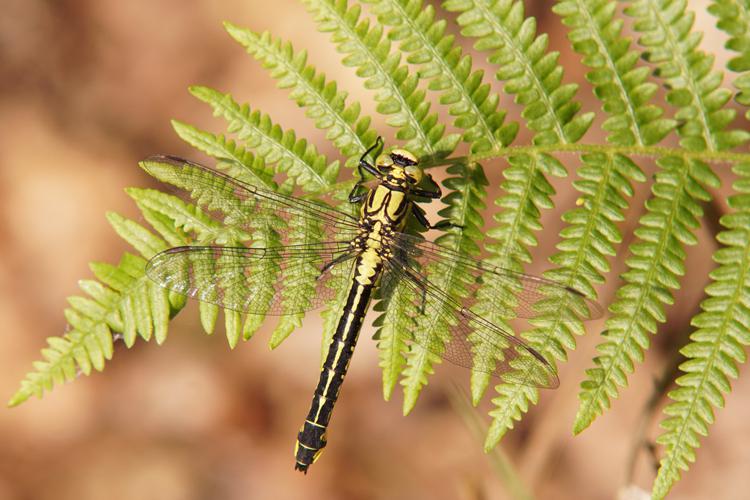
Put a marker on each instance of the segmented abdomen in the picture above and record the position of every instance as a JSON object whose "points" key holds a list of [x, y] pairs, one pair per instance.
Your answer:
{"points": [[312, 436]]}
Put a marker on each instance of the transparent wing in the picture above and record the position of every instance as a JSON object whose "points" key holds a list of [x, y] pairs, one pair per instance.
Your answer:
{"points": [[249, 207], [445, 327], [272, 281], [516, 295], [448, 327]]}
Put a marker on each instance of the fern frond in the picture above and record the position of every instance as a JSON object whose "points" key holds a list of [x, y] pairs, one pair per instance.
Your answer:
{"points": [[442, 63], [656, 264], [625, 92], [530, 72], [694, 88], [734, 19], [403, 57], [527, 193], [397, 94], [123, 301], [535, 77], [620, 83], [716, 346], [623, 88], [673, 212], [296, 158], [591, 236], [350, 132]]}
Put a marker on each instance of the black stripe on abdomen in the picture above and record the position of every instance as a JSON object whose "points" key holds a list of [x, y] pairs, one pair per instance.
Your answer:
{"points": [[312, 436]]}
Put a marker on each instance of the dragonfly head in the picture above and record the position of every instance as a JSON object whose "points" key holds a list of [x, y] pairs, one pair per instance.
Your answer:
{"points": [[400, 164]]}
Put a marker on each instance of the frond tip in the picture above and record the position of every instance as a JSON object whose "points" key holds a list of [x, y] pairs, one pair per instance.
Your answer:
{"points": [[123, 302]]}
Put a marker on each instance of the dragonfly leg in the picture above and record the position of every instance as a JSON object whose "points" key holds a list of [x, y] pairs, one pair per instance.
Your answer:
{"points": [[422, 219], [357, 194], [434, 193]]}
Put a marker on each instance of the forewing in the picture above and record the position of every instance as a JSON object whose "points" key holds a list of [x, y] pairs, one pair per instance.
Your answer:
{"points": [[271, 281], [443, 326], [246, 207]]}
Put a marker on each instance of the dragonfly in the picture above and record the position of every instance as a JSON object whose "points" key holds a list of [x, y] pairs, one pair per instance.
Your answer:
{"points": [[361, 254]]}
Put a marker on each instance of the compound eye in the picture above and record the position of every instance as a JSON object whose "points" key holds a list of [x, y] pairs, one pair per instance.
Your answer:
{"points": [[414, 174], [384, 163]]}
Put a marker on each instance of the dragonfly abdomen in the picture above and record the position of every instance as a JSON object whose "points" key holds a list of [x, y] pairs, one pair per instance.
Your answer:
{"points": [[312, 436]]}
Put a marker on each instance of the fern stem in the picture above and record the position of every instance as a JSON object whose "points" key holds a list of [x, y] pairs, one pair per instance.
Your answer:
{"points": [[648, 151]]}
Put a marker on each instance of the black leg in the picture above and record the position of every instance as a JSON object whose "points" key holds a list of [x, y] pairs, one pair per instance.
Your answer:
{"points": [[357, 195], [378, 145], [422, 219], [446, 224], [433, 193], [420, 216]]}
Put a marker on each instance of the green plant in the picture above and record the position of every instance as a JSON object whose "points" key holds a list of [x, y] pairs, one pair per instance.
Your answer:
{"points": [[407, 56]]}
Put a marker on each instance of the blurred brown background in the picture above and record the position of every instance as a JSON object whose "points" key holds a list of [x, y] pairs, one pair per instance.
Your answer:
{"points": [[86, 90]]}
